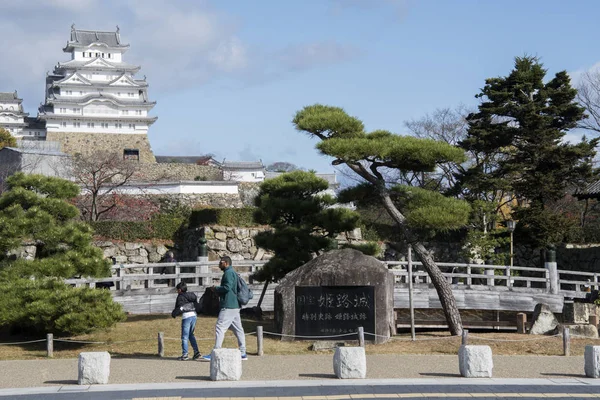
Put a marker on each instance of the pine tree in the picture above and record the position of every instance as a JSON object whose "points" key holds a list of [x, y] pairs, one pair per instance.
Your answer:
{"points": [[36, 209], [372, 156], [304, 224], [517, 136]]}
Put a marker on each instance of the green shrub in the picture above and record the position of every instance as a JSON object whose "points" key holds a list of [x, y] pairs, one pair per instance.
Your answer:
{"points": [[123, 230], [223, 216]]}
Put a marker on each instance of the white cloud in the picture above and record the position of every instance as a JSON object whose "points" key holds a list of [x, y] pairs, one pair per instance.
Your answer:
{"points": [[577, 76]]}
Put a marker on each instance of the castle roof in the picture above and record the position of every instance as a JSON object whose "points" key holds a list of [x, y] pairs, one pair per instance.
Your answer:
{"points": [[9, 97], [231, 165], [83, 38], [96, 63], [82, 101]]}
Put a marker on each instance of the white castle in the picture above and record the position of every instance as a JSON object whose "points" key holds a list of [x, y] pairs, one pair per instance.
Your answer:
{"points": [[92, 101], [96, 91]]}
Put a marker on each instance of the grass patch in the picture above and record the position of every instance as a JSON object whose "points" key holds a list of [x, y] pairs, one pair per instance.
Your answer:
{"points": [[137, 338]]}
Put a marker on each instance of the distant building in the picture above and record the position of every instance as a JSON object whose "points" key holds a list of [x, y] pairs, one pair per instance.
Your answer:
{"points": [[198, 160], [33, 161], [17, 122], [94, 102], [243, 171]]}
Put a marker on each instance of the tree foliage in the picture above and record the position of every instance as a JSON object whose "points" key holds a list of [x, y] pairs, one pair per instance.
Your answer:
{"points": [[303, 220], [372, 156], [517, 137], [6, 139], [281, 166], [36, 210]]}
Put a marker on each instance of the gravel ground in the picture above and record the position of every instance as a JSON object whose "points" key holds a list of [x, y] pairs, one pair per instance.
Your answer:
{"points": [[36, 373]]}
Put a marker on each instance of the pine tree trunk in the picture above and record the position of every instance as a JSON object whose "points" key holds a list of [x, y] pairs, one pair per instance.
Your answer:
{"points": [[442, 286], [262, 294]]}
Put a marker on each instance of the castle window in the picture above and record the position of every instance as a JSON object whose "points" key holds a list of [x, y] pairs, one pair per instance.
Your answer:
{"points": [[102, 55], [104, 125], [90, 124], [131, 126], [109, 55], [63, 124], [131, 154], [125, 112], [77, 124], [97, 54], [118, 126]]}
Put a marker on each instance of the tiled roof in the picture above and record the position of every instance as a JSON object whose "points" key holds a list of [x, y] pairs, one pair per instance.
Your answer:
{"points": [[591, 191], [35, 151], [85, 38], [12, 96], [199, 160], [243, 165]]}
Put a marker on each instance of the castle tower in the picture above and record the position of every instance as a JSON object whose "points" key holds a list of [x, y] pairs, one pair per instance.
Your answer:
{"points": [[17, 122], [94, 102]]}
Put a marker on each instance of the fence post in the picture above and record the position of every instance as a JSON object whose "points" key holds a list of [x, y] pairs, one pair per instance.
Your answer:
{"points": [[490, 272], [469, 278], [50, 345], [566, 342], [118, 284], [361, 336], [465, 337], [508, 281], [550, 265], [521, 322], [259, 341], [161, 344], [410, 294]]}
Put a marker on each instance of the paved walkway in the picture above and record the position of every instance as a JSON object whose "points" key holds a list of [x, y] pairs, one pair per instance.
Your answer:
{"points": [[44, 372]]}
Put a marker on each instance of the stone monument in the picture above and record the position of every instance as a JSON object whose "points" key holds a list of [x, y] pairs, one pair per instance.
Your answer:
{"points": [[334, 294]]}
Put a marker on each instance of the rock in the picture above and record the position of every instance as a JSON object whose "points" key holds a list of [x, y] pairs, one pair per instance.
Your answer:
{"points": [[109, 252], [259, 254], [591, 358], [355, 234], [216, 245], [350, 363], [154, 257], [242, 233], [221, 236], [143, 252], [234, 245], [103, 244], [138, 260], [236, 257], [340, 268], [209, 233], [94, 368], [133, 246], [161, 250], [475, 361], [584, 330], [225, 365], [544, 322], [121, 259]]}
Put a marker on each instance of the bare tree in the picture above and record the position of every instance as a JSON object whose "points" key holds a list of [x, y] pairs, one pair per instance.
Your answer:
{"points": [[100, 175], [446, 125], [588, 95]]}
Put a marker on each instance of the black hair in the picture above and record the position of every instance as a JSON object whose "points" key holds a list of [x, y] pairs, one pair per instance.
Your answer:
{"points": [[182, 286], [227, 259]]}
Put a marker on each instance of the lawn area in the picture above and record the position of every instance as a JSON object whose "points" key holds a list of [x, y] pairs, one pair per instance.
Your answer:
{"points": [[137, 337]]}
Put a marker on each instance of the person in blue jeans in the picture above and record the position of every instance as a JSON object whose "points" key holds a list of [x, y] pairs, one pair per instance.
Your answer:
{"points": [[229, 316], [184, 306]]}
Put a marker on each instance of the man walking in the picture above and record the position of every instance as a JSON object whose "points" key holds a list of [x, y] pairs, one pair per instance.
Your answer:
{"points": [[184, 306], [229, 316]]}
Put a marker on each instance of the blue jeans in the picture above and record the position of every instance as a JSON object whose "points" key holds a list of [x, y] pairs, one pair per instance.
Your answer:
{"points": [[187, 332]]}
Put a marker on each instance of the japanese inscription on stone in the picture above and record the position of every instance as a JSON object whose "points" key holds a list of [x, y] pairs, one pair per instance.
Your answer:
{"points": [[334, 310]]}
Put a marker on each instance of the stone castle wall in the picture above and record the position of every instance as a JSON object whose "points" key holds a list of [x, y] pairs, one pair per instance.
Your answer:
{"points": [[86, 143], [178, 172]]}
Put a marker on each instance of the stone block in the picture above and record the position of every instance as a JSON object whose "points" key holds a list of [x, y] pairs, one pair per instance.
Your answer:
{"points": [[350, 363], [94, 368], [544, 321], [591, 359], [475, 361], [225, 365]]}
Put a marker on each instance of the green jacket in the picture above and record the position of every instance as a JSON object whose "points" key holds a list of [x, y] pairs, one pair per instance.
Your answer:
{"points": [[228, 289]]}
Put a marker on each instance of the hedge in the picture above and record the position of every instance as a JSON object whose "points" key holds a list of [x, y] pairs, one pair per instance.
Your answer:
{"points": [[242, 217], [161, 226]]}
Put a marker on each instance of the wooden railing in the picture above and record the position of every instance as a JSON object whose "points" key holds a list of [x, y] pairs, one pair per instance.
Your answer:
{"points": [[196, 273]]}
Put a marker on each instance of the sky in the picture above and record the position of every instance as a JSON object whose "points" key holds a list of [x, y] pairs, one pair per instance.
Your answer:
{"points": [[229, 75]]}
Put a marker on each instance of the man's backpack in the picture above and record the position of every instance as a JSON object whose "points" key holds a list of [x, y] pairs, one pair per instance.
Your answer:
{"points": [[244, 294]]}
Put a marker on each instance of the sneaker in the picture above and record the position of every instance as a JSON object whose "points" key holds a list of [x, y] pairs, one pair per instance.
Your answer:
{"points": [[184, 358], [205, 358], [244, 357], [196, 356]]}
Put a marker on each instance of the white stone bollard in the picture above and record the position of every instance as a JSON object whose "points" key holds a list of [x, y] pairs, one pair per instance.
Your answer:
{"points": [[94, 368], [350, 363], [591, 359], [225, 365], [475, 361]]}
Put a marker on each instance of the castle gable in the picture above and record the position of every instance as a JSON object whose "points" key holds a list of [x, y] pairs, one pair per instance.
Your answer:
{"points": [[75, 79], [124, 80]]}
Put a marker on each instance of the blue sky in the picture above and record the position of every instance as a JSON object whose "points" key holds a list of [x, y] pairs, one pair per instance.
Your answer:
{"points": [[229, 75]]}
